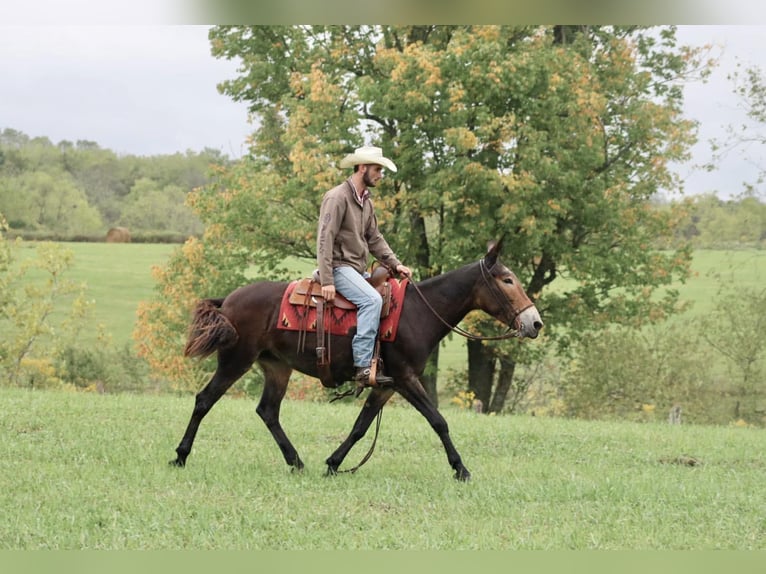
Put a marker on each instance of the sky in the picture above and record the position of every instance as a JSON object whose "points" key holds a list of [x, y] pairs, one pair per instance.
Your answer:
{"points": [[152, 89], [142, 90]]}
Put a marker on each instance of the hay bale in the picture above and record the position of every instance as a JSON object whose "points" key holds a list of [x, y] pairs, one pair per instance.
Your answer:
{"points": [[118, 235]]}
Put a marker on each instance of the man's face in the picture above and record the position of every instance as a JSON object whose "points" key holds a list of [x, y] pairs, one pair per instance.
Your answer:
{"points": [[372, 174]]}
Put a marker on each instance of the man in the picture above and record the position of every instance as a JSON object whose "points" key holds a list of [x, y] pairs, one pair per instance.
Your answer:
{"points": [[346, 236]]}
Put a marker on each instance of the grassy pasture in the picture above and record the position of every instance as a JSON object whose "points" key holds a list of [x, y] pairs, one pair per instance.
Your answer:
{"points": [[117, 275], [89, 471]]}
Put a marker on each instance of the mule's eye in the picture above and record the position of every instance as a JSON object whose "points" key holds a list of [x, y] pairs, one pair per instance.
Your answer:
{"points": [[508, 281]]}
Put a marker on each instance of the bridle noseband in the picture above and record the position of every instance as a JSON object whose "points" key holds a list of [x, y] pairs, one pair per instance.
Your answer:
{"points": [[500, 298]]}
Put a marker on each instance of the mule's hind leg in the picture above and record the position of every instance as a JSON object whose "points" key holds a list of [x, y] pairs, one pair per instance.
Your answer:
{"points": [[375, 400], [276, 377], [225, 376], [416, 395]]}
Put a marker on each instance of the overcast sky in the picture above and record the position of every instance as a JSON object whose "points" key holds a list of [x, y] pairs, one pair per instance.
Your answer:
{"points": [[150, 90]]}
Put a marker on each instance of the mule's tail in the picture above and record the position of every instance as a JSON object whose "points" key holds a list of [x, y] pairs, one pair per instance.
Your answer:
{"points": [[210, 330]]}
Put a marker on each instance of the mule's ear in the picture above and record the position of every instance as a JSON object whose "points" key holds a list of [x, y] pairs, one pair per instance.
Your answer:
{"points": [[493, 250]]}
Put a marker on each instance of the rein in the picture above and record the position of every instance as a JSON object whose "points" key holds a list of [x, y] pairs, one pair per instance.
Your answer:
{"points": [[372, 446], [510, 332]]}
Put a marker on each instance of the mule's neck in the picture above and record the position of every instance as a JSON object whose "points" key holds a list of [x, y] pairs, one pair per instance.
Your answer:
{"points": [[451, 296]]}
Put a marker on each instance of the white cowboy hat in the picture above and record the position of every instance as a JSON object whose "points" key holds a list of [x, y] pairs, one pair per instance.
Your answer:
{"points": [[365, 155]]}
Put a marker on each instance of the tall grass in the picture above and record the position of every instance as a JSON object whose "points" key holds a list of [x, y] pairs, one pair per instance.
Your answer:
{"points": [[88, 471]]}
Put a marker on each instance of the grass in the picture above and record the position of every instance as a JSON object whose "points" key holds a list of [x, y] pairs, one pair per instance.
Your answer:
{"points": [[88, 471], [118, 276], [716, 270]]}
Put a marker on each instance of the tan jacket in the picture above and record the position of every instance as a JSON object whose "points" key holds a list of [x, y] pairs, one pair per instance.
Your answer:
{"points": [[348, 232]]}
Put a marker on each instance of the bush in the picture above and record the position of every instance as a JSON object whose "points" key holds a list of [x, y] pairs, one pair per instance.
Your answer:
{"points": [[103, 368], [637, 375]]}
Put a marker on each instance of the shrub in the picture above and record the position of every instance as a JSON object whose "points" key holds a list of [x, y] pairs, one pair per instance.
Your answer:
{"points": [[637, 375], [103, 368]]}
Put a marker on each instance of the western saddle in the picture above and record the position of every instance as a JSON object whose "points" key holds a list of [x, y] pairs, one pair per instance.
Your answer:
{"points": [[308, 293]]}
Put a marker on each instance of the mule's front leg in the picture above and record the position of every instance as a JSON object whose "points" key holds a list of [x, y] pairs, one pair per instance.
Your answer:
{"points": [[417, 397], [375, 401]]}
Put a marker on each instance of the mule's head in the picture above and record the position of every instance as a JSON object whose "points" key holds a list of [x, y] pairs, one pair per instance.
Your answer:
{"points": [[502, 296]]}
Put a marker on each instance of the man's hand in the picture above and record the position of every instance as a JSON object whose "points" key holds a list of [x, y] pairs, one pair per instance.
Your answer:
{"points": [[328, 293], [404, 270]]}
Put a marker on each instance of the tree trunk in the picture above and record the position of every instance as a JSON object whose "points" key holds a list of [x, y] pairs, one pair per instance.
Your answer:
{"points": [[504, 384], [481, 371]]}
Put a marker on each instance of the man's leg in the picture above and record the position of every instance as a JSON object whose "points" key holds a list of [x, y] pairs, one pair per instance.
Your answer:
{"points": [[368, 301]]}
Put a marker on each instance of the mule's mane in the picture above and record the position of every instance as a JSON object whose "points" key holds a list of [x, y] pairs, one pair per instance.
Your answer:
{"points": [[461, 279], [450, 294]]}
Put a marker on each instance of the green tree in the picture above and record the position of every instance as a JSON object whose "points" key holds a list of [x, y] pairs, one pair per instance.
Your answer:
{"points": [[638, 374], [42, 200], [31, 334], [740, 337], [558, 136], [150, 207]]}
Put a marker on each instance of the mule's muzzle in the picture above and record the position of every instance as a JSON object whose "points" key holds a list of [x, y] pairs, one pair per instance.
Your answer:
{"points": [[529, 323]]}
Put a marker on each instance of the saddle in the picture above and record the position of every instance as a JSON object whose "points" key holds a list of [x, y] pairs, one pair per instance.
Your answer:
{"points": [[308, 293]]}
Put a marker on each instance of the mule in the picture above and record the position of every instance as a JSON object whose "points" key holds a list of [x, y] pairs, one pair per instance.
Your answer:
{"points": [[242, 328]]}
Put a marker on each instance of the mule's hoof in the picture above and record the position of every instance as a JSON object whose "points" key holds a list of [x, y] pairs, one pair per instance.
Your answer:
{"points": [[331, 471], [177, 462], [462, 475]]}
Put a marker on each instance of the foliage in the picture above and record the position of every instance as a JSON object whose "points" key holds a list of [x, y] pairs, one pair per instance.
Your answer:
{"points": [[31, 334], [738, 333], [641, 375], [103, 368], [147, 206], [631, 374], [80, 190], [201, 268], [558, 135], [718, 223]]}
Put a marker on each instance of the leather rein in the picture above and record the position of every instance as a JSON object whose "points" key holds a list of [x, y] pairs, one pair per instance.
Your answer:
{"points": [[499, 297]]}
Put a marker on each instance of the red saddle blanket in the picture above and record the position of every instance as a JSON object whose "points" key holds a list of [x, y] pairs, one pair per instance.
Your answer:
{"points": [[339, 321]]}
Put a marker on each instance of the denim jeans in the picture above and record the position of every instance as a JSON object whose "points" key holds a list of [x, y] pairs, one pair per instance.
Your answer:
{"points": [[356, 289]]}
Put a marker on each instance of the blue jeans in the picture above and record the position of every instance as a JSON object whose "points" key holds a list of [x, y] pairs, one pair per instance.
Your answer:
{"points": [[369, 303]]}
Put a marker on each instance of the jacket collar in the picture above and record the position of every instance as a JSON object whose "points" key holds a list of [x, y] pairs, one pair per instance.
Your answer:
{"points": [[365, 193]]}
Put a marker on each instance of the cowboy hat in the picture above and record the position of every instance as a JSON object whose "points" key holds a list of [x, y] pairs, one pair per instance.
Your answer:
{"points": [[365, 155]]}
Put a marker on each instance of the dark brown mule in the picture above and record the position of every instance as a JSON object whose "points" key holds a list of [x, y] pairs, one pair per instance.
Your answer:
{"points": [[242, 328]]}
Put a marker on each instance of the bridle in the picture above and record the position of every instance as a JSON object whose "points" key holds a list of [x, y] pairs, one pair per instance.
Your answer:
{"points": [[500, 298]]}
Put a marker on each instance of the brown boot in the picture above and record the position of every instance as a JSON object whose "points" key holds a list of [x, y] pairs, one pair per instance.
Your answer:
{"points": [[362, 377]]}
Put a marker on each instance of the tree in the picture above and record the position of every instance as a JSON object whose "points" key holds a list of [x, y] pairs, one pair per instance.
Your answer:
{"points": [[152, 208], [740, 337], [30, 334], [638, 374], [41, 200], [749, 86], [557, 137]]}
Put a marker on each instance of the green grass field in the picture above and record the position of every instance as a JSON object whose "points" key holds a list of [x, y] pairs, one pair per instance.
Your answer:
{"points": [[89, 471], [117, 275]]}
